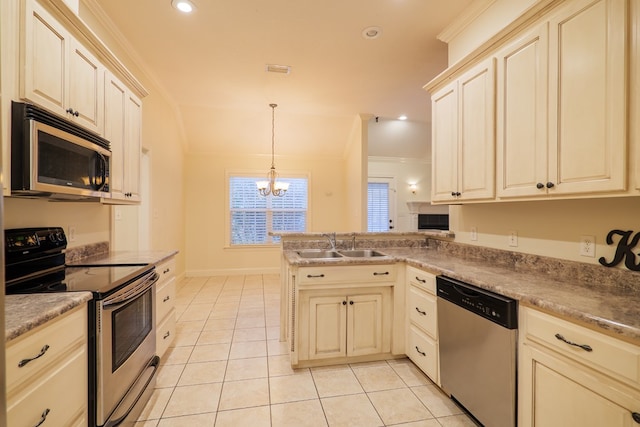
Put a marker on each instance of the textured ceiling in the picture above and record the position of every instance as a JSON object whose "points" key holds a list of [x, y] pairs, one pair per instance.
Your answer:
{"points": [[212, 64]]}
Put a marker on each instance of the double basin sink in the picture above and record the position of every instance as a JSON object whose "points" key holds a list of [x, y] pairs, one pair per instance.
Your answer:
{"points": [[329, 254]]}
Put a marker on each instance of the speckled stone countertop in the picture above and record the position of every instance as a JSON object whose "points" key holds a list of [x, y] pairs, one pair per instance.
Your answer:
{"points": [[603, 299], [121, 258], [26, 312]]}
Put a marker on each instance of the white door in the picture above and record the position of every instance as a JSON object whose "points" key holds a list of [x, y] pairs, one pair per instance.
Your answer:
{"points": [[381, 204]]}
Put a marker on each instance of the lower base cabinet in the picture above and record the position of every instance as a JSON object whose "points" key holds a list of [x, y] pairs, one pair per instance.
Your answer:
{"points": [[562, 384], [340, 324], [47, 373]]}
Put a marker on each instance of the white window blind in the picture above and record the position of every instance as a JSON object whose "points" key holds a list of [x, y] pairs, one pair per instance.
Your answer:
{"points": [[378, 206], [254, 216]]}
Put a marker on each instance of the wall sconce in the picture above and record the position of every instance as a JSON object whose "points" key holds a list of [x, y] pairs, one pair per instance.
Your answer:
{"points": [[413, 188]]}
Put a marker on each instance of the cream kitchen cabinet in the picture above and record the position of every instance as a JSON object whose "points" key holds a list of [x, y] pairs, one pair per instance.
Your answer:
{"points": [[123, 119], [463, 141], [59, 73], [47, 373], [571, 375], [562, 103], [422, 322], [165, 305], [341, 314]]}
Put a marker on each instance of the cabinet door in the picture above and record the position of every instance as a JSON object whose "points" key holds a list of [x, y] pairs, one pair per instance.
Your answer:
{"points": [[364, 324], [476, 164], [556, 392], [327, 327], [444, 143], [133, 147], [45, 52], [521, 123], [114, 112], [587, 99], [86, 88]]}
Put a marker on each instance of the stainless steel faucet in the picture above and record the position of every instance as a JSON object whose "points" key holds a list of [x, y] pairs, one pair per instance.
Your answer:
{"points": [[353, 241], [332, 240]]}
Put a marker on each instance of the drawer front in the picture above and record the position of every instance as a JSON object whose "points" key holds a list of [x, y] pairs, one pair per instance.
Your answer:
{"points": [[422, 310], [62, 391], [347, 274], [166, 270], [165, 299], [423, 351], [165, 333], [422, 279], [51, 340], [607, 353]]}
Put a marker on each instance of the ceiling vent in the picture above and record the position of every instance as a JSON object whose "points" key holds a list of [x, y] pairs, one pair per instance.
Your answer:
{"points": [[281, 69]]}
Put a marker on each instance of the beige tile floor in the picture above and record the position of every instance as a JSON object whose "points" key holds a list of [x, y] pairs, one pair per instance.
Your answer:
{"points": [[227, 367]]}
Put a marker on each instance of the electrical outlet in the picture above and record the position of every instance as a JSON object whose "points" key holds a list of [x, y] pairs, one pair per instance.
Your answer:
{"points": [[71, 235], [588, 246], [118, 213], [474, 234], [513, 238]]}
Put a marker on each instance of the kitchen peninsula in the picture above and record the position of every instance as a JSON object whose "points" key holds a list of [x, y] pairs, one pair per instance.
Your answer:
{"points": [[579, 338]]}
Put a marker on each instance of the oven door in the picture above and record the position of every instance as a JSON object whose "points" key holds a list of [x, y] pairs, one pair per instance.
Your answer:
{"points": [[126, 341]]}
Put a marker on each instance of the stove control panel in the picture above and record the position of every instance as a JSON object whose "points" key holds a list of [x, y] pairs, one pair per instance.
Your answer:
{"points": [[25, 241]]}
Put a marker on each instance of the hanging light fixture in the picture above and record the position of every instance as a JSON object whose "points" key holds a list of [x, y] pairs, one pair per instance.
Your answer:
{"points": [[271, 185]]}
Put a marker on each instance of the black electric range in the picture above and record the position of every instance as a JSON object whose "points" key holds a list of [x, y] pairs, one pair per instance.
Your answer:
{"points": [[35, 263]]}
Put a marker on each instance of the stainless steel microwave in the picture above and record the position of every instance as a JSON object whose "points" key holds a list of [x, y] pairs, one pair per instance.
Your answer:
{"points": [[53, 157]]}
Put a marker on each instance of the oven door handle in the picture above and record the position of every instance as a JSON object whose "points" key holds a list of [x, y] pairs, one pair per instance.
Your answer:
{"points": [[127, 295]]}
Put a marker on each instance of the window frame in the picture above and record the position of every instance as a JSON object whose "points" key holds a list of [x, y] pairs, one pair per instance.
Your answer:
{"points": [[258, 175]]}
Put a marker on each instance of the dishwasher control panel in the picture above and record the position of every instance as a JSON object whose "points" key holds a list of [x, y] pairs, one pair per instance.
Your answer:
{"points": [[497, 308]]}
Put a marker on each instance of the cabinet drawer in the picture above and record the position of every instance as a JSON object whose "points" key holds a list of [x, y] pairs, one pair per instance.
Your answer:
{"points": [[54, 339], [166, 270], [422, 279], [165, 333], [165, 299], [607, 353], [62, 391], [347, 274], [422, 310], [423, 351]]}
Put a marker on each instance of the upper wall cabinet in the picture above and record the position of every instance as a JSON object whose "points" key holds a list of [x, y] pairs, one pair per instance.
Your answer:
{"points": [[58, 73], [463, 142], [560, 112], [123, 120]]}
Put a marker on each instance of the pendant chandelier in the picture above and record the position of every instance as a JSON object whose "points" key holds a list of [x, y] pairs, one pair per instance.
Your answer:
{"points": [[271, 185]]}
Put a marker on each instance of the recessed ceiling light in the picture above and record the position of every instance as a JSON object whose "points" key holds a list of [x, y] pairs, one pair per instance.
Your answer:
{"points": [[371, 33], [402, 117], [185, 6]]}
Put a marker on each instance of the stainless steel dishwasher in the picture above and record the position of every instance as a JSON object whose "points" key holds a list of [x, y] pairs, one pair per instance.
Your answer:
{"points": [[478, 338]]}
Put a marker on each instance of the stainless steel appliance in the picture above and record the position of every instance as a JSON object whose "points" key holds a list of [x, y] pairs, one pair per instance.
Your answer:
{"points": [[122, 360], [478, 337], [53, 157]]}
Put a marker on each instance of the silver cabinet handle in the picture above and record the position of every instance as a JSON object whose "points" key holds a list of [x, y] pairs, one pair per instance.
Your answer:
{"points": [[43, 417], [421, 352], [585, 347], [25, 361], [424, 313]]}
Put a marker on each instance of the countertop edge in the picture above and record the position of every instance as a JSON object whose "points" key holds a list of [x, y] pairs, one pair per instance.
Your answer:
{"points": [[25, 312]]}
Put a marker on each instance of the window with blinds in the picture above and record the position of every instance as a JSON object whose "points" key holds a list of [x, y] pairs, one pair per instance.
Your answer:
{"points": [[254, 216], [378, 206]]}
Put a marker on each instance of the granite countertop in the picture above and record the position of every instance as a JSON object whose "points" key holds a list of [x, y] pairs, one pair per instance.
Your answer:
{"points": [[610, 309], [28, 311], [123, 258]]}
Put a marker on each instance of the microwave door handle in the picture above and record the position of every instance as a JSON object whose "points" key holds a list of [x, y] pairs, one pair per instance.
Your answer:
{"points": [[103, 173]]}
